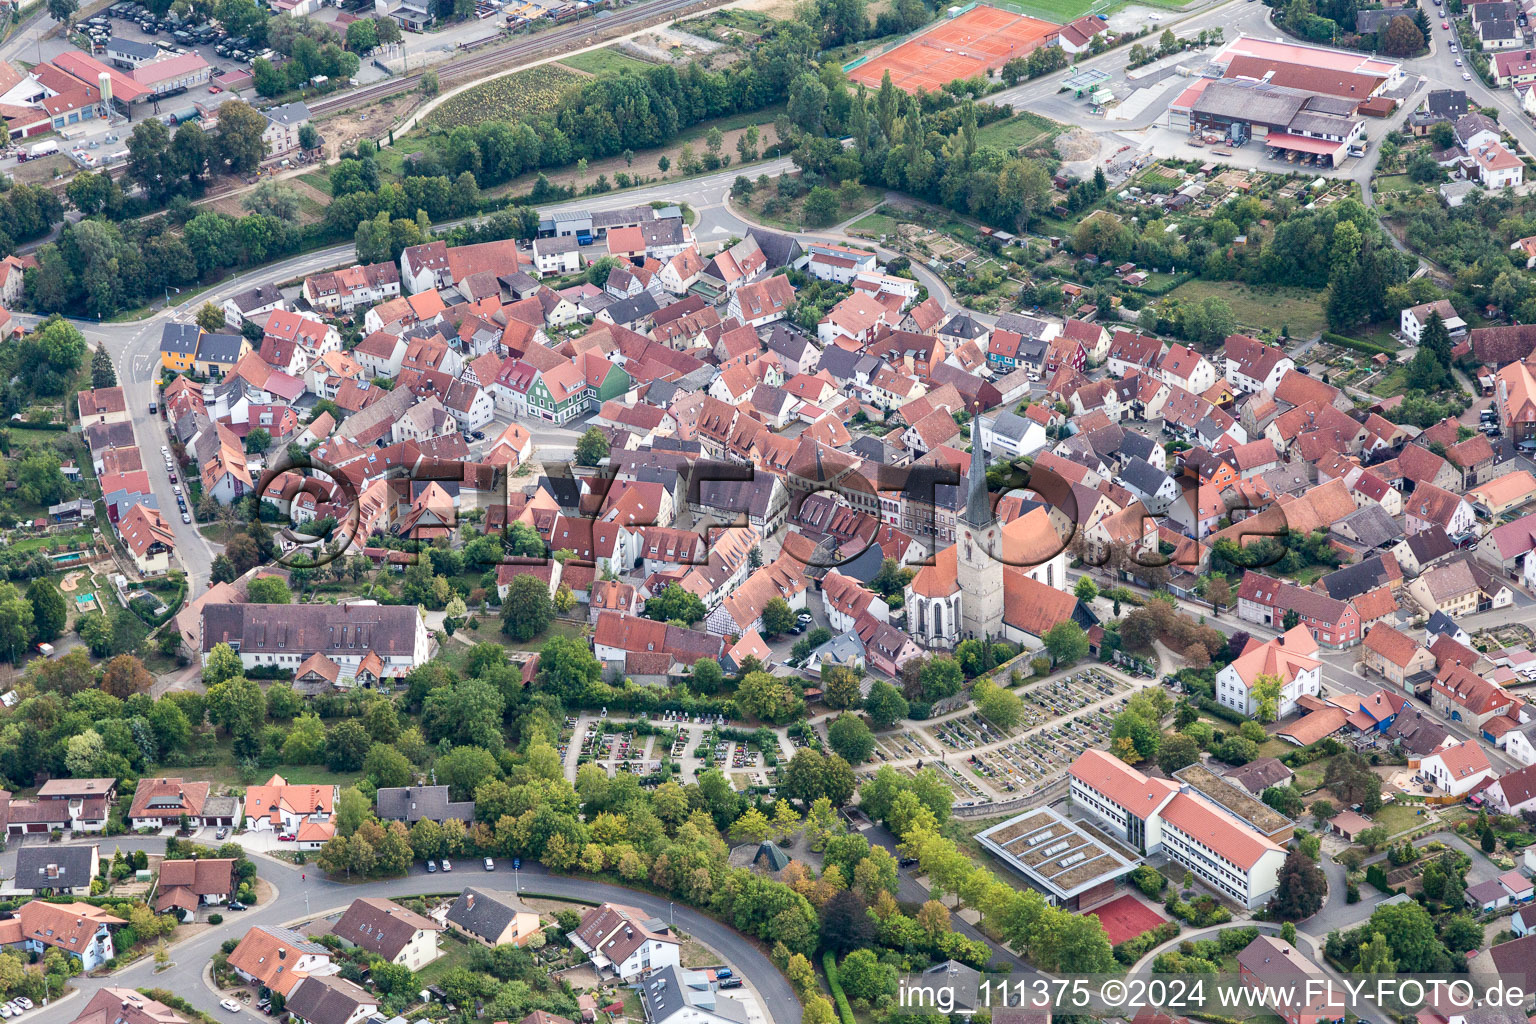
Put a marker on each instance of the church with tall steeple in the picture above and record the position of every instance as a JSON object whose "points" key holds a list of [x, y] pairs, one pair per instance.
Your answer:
{"points": [[979, 543], [996, 581]]}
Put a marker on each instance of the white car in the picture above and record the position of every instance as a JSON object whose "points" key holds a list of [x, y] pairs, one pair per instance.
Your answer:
{"points": [[446, 864], [186, 518], [1466, 77], [230, 1005], [26, 1003], [5, 1011], [1458, 62]]}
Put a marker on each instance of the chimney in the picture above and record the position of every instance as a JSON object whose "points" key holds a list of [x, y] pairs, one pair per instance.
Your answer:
{"points": [[282, 953]]}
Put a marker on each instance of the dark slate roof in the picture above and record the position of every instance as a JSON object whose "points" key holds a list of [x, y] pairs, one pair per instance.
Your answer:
{"points": [[326, 1000], [1448, 104], [749, 496], [1428, 545], [1137, 445], [772, 856], [626, 311], [482, 913], [839, 362], [413, 803], [780, 250], [864, 566], [787, 341], [179, 338], [53, 867], [1353, 580], [220, 348], [962, 326], [1441, 624], [1141, 475], [871, 449], [1010, 425], [143, 51], [564, 489]]}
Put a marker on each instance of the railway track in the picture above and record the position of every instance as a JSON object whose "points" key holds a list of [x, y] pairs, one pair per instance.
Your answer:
{"points": [[540, 45]]}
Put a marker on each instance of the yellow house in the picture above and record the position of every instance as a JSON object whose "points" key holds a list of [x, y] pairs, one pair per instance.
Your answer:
{"points": [[217, 354], [178, 346]]}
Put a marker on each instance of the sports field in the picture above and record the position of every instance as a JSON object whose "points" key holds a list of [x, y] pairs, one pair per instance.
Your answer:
{"points": [[961, 47]]}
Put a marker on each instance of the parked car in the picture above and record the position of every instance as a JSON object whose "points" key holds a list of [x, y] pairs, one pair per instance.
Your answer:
{"points": [[730, 983], [490, 865], [222, 833], [431, 867], [447, 864], [230, 1005], [724, 972], [284, 837], [236, 905], [188, 520], [517, 863]]}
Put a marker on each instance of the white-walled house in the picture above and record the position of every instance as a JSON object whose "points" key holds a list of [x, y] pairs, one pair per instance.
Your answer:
{"points": [[1292, 658], [625, 942]]}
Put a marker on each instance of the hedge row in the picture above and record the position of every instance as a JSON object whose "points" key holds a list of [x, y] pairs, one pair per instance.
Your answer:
{"points": [[1221, 711], [839, 997], [1368, 347]]}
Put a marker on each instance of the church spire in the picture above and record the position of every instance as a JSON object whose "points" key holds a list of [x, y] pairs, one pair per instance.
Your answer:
{"points": [[978, 506]]}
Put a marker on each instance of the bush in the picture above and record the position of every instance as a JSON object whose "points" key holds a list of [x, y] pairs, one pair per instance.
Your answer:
{"points": [[1149, 880], [1131, 950], [215, 918]]}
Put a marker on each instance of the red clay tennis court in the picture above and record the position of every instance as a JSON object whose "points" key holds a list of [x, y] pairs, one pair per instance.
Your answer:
{"points": [[1125, 918], [962, 47]]}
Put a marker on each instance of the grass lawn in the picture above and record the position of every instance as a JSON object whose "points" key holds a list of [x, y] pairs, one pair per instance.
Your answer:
{"points": [[1018, 130], [793, 219], [873, 226], [1262, 311], [597, 62], [1395, 183], [455, 954], [491, 630], [1398, 818], [221, 770], [318, 180], [72, 539]]}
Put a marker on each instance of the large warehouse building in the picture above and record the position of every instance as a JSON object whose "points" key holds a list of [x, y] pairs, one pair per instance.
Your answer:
{"points": [[1303, 102], [1319, 127]]}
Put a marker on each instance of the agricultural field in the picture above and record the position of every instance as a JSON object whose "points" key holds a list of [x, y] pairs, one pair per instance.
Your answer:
{"points": [[606, 60], [508, 98]]}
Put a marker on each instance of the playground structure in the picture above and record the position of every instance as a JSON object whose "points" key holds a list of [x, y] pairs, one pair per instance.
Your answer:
{"points": [[964, 46]]}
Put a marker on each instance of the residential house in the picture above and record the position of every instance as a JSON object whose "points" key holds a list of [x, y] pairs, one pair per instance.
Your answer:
{"points": [[390, 931], [492, 919], [625, 942]]}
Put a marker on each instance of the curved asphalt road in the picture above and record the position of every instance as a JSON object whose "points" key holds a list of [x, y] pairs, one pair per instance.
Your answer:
{"points": [[299, 898]]}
